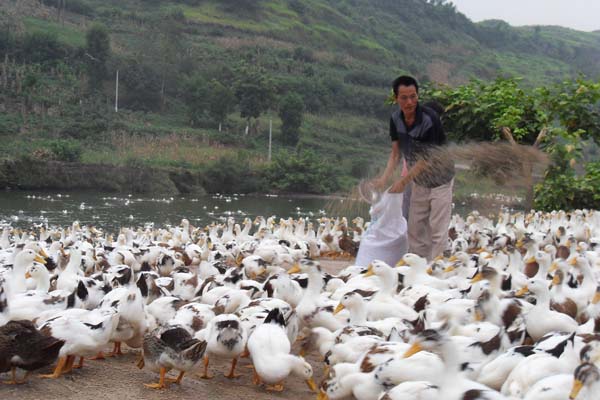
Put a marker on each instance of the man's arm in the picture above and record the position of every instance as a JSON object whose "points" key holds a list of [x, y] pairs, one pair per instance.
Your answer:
{"points": [[400, 184], [393, 161]]}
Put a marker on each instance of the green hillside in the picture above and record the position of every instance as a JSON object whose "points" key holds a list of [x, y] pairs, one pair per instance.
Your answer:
{"points": [[188, 67]]}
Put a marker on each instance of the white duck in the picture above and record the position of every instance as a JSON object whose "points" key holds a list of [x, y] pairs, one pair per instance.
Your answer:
{"points": [[269, 349], [226, 337], [541, 319]]}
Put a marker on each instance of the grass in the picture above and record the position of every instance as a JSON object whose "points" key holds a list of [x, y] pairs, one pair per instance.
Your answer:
{"points": [[65, 33], [171, 150]]}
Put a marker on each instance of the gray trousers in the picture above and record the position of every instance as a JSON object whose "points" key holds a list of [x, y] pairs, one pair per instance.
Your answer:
{"points": [[429, 218]]}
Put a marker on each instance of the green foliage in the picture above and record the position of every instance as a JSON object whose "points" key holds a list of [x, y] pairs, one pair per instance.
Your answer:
{"points": [[75, 6], [567, 191], [290, 113], [302, 172], [254, 90], [575, 105], [478, 110], [232, 174], [97, 55], [43, 47], [211, 100], [140, 85], [65, 150], [337, 56], [298, 6]]}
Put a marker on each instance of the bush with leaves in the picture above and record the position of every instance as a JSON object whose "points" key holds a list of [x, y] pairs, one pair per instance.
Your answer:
{"points": [[65, 150], [43, 48], [567, 191], [291, 112], [208, 100], [232, 174], [478, 110], [97, 54], [254, 91], [303, 171]]}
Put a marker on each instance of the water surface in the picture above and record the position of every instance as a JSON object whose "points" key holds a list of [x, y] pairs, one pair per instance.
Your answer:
{"points": [[111, 211]]}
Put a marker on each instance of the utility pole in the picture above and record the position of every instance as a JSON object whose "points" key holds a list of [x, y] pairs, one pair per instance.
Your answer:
{"points": [[117, 92], [270, 136]]}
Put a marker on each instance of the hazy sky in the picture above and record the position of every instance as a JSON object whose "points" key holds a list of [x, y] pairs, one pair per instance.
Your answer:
{"points": [[583, 15]]}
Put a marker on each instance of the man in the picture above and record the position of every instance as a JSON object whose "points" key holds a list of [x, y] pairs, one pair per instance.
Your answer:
{"points": [[417, 133]]}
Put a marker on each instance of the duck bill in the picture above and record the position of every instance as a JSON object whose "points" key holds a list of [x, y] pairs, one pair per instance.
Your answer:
{"points": [[449, 269], [429, 271], [27, 275], [452, 258], [573, 261], [322, 395], [577, 385], [339, 308], [530, 260], [43, 253], [556, 280], [596, 298], [311, 384], [369, 271], [294, 270], [414, 349], [239, 259], [39, 259], [553, 267], [477, 278], [401, 263], [524, 290], [478, 316]]}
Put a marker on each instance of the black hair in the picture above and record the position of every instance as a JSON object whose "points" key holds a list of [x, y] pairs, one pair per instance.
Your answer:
{"points": [[404, 80]]}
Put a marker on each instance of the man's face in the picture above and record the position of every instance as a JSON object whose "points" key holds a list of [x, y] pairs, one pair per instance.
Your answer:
{"points": [[407, 99]]}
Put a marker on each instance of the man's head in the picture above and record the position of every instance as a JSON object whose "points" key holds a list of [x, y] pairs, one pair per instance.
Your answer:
{"points": [[406, 92]]}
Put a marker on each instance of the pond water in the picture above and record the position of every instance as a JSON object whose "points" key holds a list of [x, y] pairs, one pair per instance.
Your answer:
{"points": [[112, 211]]}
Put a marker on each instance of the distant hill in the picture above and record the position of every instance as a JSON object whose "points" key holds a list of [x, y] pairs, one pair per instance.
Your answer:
{"points": [[378, 37]]}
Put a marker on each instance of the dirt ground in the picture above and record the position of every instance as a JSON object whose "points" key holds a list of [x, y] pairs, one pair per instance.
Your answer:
{"points": [[119, 378]]}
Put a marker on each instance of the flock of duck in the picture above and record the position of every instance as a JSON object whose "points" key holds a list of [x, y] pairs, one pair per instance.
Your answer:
{"points": [[511, 311]]}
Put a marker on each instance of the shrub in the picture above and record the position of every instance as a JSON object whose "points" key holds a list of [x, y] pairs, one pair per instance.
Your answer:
{"points": [[43, 47], [302, 172], [567, 191], [66, 150], [232, 174]]}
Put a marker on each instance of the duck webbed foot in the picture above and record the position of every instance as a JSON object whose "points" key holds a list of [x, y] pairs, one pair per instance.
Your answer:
{"points": [[176, 380], [161, 383], [14, 380], [275, 388]]}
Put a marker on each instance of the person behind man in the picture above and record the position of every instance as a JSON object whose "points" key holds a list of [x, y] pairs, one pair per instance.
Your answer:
{"points": [[417, 134]]}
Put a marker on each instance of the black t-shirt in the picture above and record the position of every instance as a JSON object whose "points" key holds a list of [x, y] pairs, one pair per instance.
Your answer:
{"points": [[424, 140]]}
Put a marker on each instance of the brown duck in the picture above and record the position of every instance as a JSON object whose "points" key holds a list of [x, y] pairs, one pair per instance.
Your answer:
{"points": [[23, 346]]}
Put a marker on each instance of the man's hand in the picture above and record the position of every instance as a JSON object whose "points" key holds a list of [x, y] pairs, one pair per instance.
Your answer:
{"points": [[398, 186]]}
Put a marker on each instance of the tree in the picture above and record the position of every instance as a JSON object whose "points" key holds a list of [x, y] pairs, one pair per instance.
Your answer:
{"points": [[291, 112], [254, 91], [208, 100], [97, 52], [169, 39], [43, 48], [221, 101]]}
